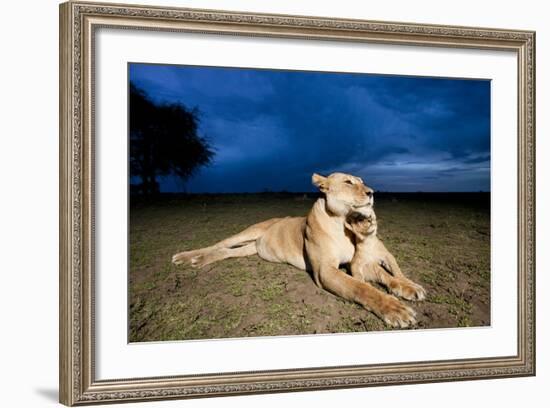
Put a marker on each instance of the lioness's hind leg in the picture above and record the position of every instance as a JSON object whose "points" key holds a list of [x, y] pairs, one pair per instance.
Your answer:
{"points": [[246, 236], [186, 256], [201, 260], [249, 234]]}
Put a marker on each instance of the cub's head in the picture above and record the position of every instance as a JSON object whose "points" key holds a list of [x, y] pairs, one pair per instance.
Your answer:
{"points": [[362, 225], [344, 193]]}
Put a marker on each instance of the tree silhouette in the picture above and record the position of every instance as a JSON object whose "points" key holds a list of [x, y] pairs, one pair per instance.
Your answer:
{"points": [[164, 140]]}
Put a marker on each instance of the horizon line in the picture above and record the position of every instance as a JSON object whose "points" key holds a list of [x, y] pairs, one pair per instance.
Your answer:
{"points": [[318, 192]]}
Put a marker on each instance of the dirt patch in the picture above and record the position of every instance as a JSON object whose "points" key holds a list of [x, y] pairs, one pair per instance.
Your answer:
{"points": [[440, 241]]}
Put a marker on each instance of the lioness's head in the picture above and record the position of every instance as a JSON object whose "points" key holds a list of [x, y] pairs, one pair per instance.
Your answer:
{"points": [[344, 193], [361, 224]]}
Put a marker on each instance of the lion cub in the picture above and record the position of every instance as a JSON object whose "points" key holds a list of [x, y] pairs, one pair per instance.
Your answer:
{"points": [[372, 262]]}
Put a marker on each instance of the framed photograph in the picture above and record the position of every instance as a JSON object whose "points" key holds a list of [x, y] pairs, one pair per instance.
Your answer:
{"points": [[256, 203]]}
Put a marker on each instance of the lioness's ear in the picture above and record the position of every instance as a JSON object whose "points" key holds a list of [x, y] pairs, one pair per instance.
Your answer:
{"points": [[319, 181]]}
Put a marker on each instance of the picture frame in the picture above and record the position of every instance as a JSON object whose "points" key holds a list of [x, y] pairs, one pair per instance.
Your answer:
{"points": [[79, 23]]}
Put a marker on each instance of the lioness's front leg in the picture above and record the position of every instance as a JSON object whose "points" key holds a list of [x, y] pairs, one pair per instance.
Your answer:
{"points": [[385, 306]]}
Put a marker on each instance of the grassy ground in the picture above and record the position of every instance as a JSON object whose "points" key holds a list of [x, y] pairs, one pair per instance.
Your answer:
{"points": [[441, 241]]}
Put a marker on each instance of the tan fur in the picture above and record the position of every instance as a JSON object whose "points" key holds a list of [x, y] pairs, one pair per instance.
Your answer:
{"points": [[319, 243], [372, 262]]}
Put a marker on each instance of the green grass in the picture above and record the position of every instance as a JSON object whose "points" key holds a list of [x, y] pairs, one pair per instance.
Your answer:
{"points": [[441, 242]]}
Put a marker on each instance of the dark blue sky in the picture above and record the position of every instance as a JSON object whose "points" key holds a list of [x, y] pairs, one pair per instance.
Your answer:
{"points": [[272, 129]]}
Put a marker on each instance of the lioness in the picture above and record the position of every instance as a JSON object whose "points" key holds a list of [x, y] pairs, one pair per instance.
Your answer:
{"points": [[372, 262], [318, 242]]}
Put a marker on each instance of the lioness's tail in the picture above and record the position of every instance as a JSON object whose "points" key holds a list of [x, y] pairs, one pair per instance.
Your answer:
{"points": [[238, 245]]}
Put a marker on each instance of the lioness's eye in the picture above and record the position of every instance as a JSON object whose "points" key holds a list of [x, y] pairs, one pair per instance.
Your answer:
{"points": [[349, 182]]}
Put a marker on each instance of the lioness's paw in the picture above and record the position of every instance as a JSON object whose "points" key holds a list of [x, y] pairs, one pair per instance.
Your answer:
{"points": [[186, 256], [180, 258], [197, 261], [396, 314], [408, 290]]}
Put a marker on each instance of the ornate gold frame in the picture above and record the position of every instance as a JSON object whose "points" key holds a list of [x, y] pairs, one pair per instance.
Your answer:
{"points": [[78, 22]]}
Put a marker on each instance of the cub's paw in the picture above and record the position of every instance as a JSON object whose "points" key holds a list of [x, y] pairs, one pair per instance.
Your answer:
{"points": [[408, 290]]}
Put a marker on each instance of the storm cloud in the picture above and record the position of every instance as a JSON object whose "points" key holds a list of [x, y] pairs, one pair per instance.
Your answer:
{"points": [[272, 129]]}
